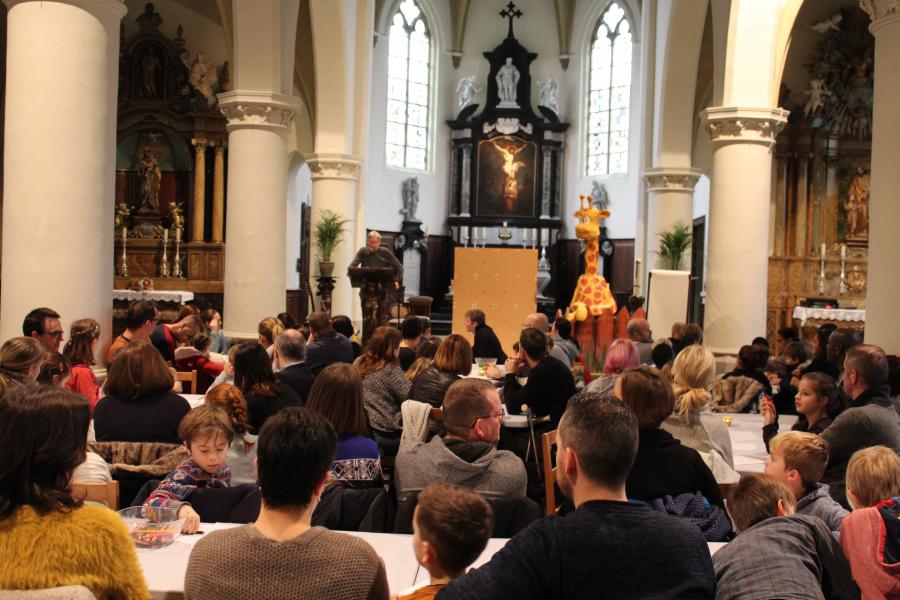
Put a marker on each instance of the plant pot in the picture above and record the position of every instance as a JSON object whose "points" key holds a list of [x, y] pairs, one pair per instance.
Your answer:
{"points": [[326, 268]]}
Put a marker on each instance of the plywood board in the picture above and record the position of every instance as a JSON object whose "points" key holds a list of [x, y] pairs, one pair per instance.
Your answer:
{"points": [[500, 281], [668, 301]]}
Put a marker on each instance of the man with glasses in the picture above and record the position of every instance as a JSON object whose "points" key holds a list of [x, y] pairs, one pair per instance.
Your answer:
{"points": [[43, 325], [467, 455]]}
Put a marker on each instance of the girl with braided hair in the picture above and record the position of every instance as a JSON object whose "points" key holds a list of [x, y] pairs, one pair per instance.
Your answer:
{"points": [[242, 452], [84, 336]]}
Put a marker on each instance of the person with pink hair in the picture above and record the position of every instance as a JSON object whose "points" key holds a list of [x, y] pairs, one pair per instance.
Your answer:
{"points": [[620, 355]]}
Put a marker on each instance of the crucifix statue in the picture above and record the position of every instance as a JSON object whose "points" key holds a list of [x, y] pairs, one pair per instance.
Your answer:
{"points": [[511, 12]]}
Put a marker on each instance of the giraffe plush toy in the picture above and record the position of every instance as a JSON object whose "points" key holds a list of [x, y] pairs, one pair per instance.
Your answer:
{"points": [[592, 294]]}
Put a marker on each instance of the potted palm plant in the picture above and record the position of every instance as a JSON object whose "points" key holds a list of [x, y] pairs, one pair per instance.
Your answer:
{"points": [[327, 234], [672, 245]]}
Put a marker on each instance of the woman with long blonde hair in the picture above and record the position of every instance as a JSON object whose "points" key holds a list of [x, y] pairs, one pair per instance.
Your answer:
{"points": [[692, 422]]}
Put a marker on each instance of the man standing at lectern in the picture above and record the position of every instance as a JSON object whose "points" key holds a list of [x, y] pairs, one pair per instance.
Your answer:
{"points": [[374, 255]]}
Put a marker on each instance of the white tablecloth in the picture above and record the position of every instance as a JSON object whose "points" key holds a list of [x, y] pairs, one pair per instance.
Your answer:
{"points": [[156, 295], [164, 569], [802, 313], [747, 443]]}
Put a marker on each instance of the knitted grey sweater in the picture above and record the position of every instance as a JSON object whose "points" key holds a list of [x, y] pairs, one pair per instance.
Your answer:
{"points": [[384, 391], [321, 564]]}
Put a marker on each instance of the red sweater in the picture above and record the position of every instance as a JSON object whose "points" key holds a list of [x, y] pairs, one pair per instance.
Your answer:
{"points": [[871, 539], [83, 381], [190, 359]]}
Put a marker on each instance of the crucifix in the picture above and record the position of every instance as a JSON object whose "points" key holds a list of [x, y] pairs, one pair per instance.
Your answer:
{"points": [[511, 12]]}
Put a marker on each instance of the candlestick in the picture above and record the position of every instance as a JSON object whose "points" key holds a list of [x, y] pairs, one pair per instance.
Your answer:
{"points": [[821, 288], [843, 251], [123, 267], [823, 250], [164, 261], [843, 287]]}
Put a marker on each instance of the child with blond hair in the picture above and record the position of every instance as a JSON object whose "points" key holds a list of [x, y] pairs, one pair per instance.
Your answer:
{"points": [[870, 535], [798, 459]]}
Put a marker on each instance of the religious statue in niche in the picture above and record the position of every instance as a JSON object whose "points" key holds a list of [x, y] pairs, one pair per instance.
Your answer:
{"points": [[465, 91], [150, 71], [507, 79], [817, 93], [204, 77], [151, 176], [410, 199], [549, 94], [857, 206], [176, 215], [506, 175]]}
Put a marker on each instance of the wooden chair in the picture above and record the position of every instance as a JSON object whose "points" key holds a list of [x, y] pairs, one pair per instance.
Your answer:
{"points": [[107, 493], [189, 377], [548, 440]]}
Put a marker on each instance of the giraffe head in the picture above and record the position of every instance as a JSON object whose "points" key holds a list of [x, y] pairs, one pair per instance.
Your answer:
{"points": [[589, 217]]}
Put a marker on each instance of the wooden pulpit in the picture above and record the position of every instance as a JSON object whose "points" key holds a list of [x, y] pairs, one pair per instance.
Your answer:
{"points": [[373, 284]]}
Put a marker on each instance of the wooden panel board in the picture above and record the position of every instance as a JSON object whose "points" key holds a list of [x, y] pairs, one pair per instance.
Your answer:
{"points": [[500, 281]]}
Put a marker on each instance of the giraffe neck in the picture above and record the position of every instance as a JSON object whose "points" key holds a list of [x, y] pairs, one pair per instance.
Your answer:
{"points": [[591, 256]]}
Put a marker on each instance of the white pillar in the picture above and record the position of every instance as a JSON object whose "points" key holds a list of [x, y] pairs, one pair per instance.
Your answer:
{"points": [[61, 73], [258, 124], [671, 201], [738, 253], [334, 181], [882, 325]]}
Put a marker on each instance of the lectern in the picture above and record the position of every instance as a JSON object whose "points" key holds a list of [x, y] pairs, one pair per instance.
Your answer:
{"points": [[373, 284]]}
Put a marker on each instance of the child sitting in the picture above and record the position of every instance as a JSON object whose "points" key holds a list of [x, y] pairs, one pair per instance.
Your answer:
{"points": [[778, 554], [195, 357], [798, 460], [206, 432], [783, 393], [817, 396], [870, 535], [451, 527]]}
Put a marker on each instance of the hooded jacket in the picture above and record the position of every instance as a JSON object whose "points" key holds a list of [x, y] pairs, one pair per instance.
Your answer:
{"points": [[871, 540]]}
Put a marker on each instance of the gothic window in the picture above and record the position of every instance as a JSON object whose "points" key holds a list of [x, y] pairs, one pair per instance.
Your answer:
{"points": [[409, 67], [610, 93]]}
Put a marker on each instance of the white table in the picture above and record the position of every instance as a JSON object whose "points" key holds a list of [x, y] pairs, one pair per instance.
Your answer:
{"points": [[746, 440], [164, 569], [803, 313]]}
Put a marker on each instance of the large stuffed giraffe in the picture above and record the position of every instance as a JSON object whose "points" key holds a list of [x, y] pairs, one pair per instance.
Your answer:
{"points": [[592, 294]]}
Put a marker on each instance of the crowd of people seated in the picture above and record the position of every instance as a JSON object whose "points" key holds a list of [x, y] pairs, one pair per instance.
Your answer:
{"points": [[644, 463]]}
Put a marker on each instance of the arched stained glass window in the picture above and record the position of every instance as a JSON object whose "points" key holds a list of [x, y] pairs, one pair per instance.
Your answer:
{"points": [[610, 94], [409, 66]]}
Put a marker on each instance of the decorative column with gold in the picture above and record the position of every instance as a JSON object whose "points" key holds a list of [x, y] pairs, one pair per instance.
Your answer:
{"points": [[738, 253], [258, 125], [218, 208], [198, 211], [882, 324], [62, 66]]}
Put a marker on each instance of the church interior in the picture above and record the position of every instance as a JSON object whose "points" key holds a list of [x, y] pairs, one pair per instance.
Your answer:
{"points": [[488, 279]]}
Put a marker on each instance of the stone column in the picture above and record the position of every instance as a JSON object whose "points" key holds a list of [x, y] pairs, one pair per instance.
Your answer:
{"points": [[61, 72], [258, 124], [198, 211], [882, 325], [218, 208], [334, 180], [738, 254], [671, 201]]}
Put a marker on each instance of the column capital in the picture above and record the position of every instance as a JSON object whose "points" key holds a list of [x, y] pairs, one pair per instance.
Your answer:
{"points": [[880, 12], [258, 110], [116, 7], [201, 143], [671, 179], [333, 166], [736, 124]]}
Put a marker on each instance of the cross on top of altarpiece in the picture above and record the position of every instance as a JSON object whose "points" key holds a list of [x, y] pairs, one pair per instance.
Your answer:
{"points": [[511, 12]]}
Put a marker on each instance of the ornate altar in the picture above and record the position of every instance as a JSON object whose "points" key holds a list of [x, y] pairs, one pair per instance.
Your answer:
{"points": [[507, 160], [170, 200], [822, 177]]}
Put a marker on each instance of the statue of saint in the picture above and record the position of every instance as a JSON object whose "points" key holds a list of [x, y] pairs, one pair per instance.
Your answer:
{"points": [[465, 91], [151, 176], [510, 167], [149, 67], [203, 77], [857, 205], [177, 215], [549, 94], [410, 198], [507, 79]]}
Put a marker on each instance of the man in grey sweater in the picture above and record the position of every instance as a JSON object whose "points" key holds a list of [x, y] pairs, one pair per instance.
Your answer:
{"points": [[467, 455], [872, 419]]}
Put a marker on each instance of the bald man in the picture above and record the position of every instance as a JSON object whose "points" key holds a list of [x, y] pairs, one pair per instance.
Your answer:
{"points": [[639, 332], [540, 322], [374, 255], [290, 358]]}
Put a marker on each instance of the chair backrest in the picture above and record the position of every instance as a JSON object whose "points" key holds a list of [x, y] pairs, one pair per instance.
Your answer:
{"points": [[548, 440], [189, 377], [107, 493]]}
